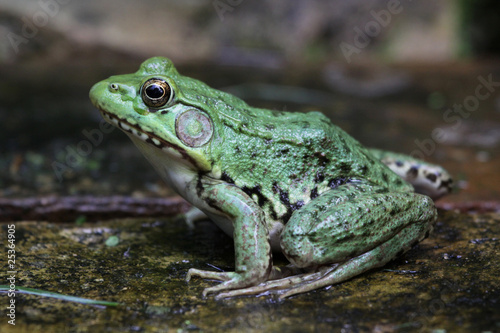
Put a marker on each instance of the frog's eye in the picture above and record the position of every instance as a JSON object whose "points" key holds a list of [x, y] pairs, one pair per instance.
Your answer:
{"points": [[194, 128], [156, 93]]}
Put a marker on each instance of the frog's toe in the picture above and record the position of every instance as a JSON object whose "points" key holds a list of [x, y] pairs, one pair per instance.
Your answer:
{"points": [[221, 276], [279, 286], [232, 281]]}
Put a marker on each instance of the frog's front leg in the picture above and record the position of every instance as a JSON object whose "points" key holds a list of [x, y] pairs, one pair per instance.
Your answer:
{"points": [[253, 258], [347, 231]]}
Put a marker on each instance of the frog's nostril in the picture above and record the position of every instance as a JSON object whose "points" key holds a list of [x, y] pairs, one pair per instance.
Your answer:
{"points": [[113, 87]]}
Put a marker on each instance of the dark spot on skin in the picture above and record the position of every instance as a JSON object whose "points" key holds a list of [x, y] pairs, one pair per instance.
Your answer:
{"points": [[336, 182], [399, 164], [285, 200], [225, 177], [314, 193], [363, 169], [150, 141], [164, 112], [384, 177], [199, 191], [370, 222], [256, 190], [275, 188], [319, 177], [212, 203], [412, 172], [283, 195], [446, 183], [199, 185], [298, 205], [398, 181], [432, 177], [322, 159]]}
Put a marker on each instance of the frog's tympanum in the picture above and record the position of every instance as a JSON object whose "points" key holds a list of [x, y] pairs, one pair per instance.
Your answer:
{"points": [[274, 181]]}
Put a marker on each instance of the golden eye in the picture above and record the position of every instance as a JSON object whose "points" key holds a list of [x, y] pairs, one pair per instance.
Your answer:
{"points": [[156, 93]]}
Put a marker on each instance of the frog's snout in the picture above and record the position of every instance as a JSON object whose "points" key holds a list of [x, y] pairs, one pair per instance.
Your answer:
{"points": [[96, 91], [100, 90]]}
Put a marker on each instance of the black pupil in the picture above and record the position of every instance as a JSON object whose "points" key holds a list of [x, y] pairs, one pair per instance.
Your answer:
{"points": [[155, 91]]}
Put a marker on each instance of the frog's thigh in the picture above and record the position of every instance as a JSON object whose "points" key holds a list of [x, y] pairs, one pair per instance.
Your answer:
{"points": [[334, 228]]}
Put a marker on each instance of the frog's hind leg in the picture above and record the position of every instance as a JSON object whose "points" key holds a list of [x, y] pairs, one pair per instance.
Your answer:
{"points": [[358, 226], [429, 179], [377, 257]]}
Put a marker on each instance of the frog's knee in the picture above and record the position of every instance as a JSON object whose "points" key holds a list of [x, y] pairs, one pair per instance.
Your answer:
{"points": [[428, 208], [297, 247]]}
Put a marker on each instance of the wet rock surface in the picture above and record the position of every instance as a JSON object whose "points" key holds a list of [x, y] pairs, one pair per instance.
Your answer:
{"points": [[448, 282]]}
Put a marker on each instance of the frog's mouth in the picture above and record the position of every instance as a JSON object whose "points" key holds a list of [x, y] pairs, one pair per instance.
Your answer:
{"points": [[145, 136]]}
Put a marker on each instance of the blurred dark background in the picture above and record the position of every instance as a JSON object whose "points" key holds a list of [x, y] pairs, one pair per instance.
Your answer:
{"points": [[385, 71]]}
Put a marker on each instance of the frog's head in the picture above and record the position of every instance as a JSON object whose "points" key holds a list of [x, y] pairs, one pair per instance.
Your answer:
{"points": [[159, 108]]}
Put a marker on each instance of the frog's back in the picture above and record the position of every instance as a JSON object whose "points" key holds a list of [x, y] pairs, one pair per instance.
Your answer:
{"points": [[286, 159]]}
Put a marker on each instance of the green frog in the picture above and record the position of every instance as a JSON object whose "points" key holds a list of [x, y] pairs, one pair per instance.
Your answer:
{"points": [[274, 181]]}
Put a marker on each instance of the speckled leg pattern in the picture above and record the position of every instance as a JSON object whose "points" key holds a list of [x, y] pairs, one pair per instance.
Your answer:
{"points": [[345, 232], [253, 259], [427, 178]]}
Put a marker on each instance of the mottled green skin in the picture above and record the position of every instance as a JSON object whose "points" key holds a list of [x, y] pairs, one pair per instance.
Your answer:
{"points": [[291, 181]]}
